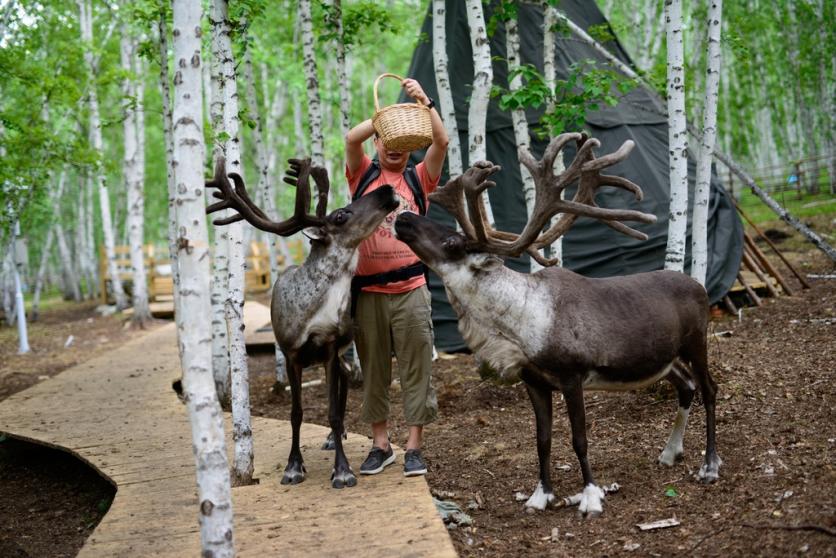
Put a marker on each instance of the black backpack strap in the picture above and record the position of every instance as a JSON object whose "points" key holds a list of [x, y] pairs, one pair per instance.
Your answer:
{"points": [[400, 274], [368, 177], [411, 177], [409, 174]]}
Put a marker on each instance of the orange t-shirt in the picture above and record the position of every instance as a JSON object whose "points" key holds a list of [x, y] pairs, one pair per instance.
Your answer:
{"points": [[382, 252]]}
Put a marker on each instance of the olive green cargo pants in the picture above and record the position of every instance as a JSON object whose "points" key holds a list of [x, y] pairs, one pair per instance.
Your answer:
{"points": [[399, 323]]}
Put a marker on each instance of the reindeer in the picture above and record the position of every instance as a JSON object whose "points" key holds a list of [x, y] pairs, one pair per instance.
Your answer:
{"points": [[310, 303], [557, 330]]}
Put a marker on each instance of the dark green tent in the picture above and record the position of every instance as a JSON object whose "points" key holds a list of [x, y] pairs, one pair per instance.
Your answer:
{"points": [[590, 248]]}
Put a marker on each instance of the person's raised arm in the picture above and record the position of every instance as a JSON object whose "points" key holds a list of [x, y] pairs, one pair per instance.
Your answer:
{"points": [[354, 144], [437, 151]]}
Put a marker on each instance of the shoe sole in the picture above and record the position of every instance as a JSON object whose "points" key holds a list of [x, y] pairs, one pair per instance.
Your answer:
{"points": [[416, 473], [389, 460]]}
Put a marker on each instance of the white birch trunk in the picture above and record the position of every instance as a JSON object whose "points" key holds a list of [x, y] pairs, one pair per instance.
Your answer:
{"points": [[132, 174], [80, 265], [7, 284], [512, 49], [677, 140], [234, 304], [699, 221], [550, 19], [67, 268], [41, 274], [480, 95], [220, 261], [54, 203], [86, 20], [22, 332], [312, 83], [165, 93], [265, 194], [344, 87], [445, 95], [213, 485]]}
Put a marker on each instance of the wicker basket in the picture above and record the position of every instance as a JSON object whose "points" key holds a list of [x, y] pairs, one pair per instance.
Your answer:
{"points": [[404, 126]]}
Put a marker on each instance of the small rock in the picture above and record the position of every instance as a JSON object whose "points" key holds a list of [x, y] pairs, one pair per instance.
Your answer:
{"points": [[569, 535], [519, 496], [630, 546], [42, 378], [804, 548], [555, 534]]}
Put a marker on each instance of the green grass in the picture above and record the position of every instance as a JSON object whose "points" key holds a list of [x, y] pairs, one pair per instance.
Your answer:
{"points": [[808, 206]]}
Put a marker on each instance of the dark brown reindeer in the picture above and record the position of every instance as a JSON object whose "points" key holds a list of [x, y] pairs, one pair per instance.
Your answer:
{"points": [[558, 330], [310, 303]]}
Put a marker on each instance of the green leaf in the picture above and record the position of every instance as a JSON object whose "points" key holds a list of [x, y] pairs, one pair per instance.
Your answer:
{"points": [[671, 492]]}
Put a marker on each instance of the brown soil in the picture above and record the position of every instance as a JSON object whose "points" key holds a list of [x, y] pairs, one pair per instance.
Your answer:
{"points": [[775, 434], [50, 501]]}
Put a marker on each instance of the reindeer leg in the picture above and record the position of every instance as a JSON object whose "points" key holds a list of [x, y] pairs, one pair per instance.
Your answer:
{"points": [[710, 470], [337, 393], [541, 400], [592, 497], [681, 379], [295, 471]]}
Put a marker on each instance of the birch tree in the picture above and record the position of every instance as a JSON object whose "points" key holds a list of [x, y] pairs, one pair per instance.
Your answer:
{"points": [[335, 21], [699, 221], [234, 303], [86, 23], [54, 201], [165, 94], [512, 49], [445, 95], [264, 188], [312, 83], [220, 252], [677, 139], [132, 171], [206, 417], [480, 95], [550, 19], [22, 331]]}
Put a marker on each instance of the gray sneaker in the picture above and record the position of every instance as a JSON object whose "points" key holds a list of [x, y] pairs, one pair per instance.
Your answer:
{"points": [[377, 460], [413, 464]]}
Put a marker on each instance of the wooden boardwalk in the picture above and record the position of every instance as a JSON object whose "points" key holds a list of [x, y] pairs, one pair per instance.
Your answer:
{"points": [[119, 414]]}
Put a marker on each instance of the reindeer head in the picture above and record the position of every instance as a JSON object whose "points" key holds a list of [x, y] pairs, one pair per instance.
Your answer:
{"points": [[347, 226], [437, 245]]}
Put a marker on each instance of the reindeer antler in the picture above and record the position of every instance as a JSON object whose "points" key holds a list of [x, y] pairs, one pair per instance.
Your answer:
{"points": [[239, 200], [585, 169]]}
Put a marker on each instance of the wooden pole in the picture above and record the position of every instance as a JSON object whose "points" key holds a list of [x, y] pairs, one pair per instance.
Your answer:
{"points": [[730, 305], [749, 290], [749, 261], [804, 283], [766, 264]]}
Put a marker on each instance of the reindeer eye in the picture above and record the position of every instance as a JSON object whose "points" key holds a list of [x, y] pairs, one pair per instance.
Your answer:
{"points": [[341, 217]]}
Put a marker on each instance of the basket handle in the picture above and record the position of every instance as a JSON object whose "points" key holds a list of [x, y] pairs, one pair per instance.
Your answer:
{"points": [[374, 88]]}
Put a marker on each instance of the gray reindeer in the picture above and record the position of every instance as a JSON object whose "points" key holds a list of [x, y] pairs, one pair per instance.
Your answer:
{"points": [[557, 330], [310, 304]]}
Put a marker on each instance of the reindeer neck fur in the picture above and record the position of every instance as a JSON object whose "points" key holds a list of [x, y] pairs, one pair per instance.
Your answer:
{"points": [[311, 301], [504, 316]]}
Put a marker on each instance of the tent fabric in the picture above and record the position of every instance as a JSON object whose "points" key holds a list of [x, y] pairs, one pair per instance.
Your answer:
{"points": [[590, 248]]}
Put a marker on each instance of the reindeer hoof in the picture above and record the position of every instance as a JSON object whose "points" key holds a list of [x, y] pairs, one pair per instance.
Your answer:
{"points": [[343, 479], [592, 502], [540, 500], [669, 458], [710, 471], [294, 473]]}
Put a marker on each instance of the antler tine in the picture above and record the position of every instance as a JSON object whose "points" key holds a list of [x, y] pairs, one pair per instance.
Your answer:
{"points": [[239, 200], [611, 158], [323, 186], [555, 147], [622, 228], [451, 197]]}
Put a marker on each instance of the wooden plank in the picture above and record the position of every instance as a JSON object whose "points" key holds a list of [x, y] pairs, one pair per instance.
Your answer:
{"points": [[118, 413]]}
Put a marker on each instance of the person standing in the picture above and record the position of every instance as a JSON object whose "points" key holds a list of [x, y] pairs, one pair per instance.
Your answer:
{"points": [[392, 311]]}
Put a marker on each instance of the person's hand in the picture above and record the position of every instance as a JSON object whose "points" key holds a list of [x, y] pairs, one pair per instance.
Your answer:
{"points": [[414, 90]]}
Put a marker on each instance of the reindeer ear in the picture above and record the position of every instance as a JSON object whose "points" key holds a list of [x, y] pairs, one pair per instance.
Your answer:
{"points": [[485, 262], [314, 233]]}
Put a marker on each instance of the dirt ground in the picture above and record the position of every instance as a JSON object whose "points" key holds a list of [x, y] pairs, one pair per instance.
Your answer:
{"points": [[50, 502], [775, 414]]}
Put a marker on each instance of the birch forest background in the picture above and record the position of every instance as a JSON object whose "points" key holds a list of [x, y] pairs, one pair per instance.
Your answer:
{"points": [[775, 106]]}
